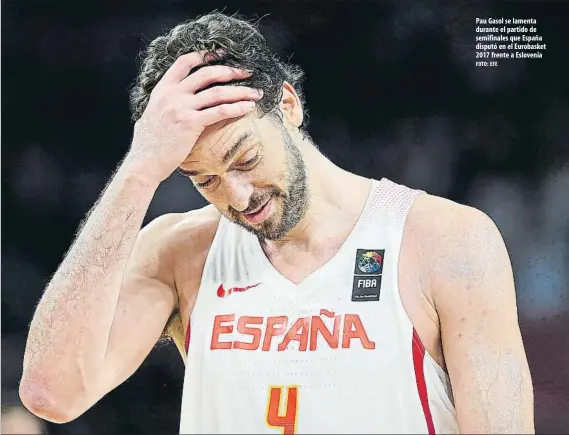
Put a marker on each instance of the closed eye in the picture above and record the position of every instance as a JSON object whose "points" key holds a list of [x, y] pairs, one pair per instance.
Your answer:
{"points": [[205, 183], [247, 163]]}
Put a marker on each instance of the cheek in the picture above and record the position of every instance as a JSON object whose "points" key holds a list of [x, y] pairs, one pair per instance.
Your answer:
{"points": [[214, 197], [269, 174], [273, 168]]}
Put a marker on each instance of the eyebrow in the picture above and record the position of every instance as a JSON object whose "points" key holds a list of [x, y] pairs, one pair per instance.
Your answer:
{"points": [[238, 144], [226, 157]]}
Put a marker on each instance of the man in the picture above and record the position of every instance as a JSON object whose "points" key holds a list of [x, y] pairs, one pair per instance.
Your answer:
{"points": [[314, 300]]}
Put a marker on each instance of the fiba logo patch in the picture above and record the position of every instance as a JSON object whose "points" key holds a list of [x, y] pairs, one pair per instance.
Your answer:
{"points": [[370, 262], [368, 270]]}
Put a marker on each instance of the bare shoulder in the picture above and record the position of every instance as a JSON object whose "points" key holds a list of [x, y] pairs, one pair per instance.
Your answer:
{"points": [[173, 232], [166, 239], [452, 256], [445, 219], [457, 244]]}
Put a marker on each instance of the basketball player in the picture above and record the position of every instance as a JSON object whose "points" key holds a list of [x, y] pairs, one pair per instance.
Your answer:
{"points": [[310, 299]]}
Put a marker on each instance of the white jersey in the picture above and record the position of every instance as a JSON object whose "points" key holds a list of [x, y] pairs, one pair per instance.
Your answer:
{"points": [[335, 354]]}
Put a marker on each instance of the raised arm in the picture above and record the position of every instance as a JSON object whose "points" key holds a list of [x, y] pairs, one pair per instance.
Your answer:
{"points": [[473, 291], [69, 332], [98, 319]]}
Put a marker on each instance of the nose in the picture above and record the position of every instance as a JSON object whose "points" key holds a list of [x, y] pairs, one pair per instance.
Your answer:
{"points": [[238, 192]]}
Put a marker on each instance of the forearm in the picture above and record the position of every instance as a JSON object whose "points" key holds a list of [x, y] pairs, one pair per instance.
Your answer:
{"points": [[498, 397], [70, 329]]}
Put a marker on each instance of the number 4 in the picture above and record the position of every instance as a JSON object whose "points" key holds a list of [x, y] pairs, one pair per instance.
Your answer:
{"points": [[286, 420]]}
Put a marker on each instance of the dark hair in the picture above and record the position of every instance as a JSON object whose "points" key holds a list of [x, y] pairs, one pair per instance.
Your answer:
{"points": [[243, 47]]}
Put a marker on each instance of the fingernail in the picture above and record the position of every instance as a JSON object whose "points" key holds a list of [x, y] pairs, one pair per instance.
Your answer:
{"points": [[260, 92]]}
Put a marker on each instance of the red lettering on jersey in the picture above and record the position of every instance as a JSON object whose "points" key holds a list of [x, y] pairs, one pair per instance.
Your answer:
{"points": [[298, 332], [318, 325], [243, 328], [218, 329], [273, 331], [305, 330], [359, 332]]}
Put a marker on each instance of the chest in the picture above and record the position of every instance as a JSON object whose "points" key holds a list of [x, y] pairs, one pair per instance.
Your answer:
{"points": [[345, 278], [336, 309], [344, 297], [296, 263]]}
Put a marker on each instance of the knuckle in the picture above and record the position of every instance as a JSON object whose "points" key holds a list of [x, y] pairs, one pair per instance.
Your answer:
{"points": [[187, 60], [174, 111], [180, 61], [178, 114], [185, 57], [217, 72], [223, 110], [171, 113], [220, 69], [206, 75]]}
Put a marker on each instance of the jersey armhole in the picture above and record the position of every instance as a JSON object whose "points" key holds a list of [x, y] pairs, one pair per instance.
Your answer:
{"points": [[209, 263]]}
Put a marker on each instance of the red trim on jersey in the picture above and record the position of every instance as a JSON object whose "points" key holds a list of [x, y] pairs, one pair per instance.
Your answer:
{"points": [[418, 363], [187, 343]]}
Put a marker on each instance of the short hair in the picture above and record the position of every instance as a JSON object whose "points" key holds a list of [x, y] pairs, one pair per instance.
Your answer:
{"points": [[242, 46]]}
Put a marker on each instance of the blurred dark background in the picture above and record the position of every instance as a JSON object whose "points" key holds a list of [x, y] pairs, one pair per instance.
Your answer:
{"points": [[392, 90]]}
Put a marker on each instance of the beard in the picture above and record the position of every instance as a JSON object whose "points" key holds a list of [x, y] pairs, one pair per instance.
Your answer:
{"points": [[293, 199]]}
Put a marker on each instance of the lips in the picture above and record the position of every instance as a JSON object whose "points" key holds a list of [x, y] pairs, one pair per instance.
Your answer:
{"points": [[260, 214]]}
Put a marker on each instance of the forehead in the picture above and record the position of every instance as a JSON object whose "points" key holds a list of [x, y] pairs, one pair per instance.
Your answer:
{"points": [[217, 139]]}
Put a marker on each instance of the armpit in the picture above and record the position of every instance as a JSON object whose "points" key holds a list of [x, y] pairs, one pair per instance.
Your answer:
{"points": [[174, 331]]}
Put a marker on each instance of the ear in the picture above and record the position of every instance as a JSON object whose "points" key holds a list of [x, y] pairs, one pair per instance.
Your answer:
{"points": [[290, 106]]}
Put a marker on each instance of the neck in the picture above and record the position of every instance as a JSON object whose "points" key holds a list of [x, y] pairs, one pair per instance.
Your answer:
{"points": [[336, 200]]}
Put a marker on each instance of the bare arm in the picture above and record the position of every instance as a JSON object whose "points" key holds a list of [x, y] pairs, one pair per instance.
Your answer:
{"points": [[473, 291], [69, 334], [88, 335]]}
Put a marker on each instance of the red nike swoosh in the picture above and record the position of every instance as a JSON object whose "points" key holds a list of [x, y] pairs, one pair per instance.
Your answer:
{"points": [[222, 293]]}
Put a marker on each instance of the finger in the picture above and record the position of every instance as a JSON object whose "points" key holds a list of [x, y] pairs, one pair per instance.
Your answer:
{"points": [[226, 111], [183, 65], [225, 94], [212, 74]]}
